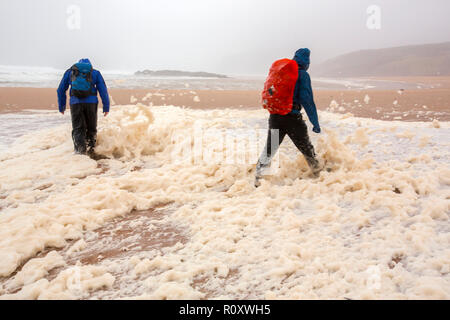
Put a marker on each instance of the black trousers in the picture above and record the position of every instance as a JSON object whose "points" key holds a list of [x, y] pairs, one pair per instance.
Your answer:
{"points": [[296, 129], [84, 126]]}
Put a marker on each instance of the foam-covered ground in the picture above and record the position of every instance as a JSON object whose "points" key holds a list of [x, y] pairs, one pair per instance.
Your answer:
{"points": [[152, 222]]}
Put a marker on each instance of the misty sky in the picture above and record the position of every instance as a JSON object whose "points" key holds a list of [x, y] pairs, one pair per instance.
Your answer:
{"points": [[228, 36]]}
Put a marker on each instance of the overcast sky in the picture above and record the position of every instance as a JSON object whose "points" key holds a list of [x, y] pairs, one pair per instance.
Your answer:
{"points": [[228, 36]]}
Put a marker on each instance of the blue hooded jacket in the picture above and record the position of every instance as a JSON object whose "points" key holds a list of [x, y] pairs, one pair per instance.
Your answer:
{"points": [[99, 86], [303, 95]]}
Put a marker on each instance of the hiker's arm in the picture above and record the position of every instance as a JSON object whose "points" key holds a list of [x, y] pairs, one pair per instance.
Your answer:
{"points": [[62, 89], [307, 101], [101, 87]]}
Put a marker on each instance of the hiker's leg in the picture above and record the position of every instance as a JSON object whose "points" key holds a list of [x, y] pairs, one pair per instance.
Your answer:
{"points": [[298, 132], [275, 136], [274, 139], [78, 128], [90, 112]]}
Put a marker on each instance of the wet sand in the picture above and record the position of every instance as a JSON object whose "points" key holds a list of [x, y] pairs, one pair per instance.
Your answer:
{"points": [[118, 242], [118, 239], [406, 105]]}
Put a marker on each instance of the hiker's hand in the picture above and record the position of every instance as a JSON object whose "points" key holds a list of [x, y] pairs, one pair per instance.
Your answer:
{"points": [[105, 113], [316, 129]]}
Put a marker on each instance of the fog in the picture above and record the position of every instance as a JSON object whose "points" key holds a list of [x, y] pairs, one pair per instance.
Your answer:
{"points": [[227, 36]]}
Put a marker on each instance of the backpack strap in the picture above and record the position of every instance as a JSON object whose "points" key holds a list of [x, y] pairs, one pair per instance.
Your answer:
{"points": [[74, 72]]}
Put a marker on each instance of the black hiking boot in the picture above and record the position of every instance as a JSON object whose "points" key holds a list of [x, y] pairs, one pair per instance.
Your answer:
{"points": [[80, 151], [315, 166], [257, 181]]}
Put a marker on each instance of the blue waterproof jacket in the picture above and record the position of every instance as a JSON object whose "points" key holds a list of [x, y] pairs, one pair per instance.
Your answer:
{"points": [[303, 95], [99, 86]]}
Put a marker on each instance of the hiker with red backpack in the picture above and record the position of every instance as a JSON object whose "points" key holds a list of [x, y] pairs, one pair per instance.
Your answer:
{"points": [[84, 82], [286, 90]]}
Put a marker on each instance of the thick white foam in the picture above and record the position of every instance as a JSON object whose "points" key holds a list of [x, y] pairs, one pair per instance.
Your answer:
{"points": [[375, 226]]}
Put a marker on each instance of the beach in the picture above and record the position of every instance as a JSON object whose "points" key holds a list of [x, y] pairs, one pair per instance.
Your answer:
{"points": [[170, 210], [406, 105], [154, 220], [169, 180]]}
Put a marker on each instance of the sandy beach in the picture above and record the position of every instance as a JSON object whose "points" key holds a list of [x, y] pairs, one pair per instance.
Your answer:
{"points": [[154, 221], [406, 105], [144, 229], [187, 189]]}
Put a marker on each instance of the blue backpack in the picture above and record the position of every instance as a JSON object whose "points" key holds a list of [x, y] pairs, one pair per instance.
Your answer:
{"points": [[81, 80]]}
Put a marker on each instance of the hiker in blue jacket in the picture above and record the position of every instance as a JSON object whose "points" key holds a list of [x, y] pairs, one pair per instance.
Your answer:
{"points": [[85, 82], [303, 95], [292, 124]]}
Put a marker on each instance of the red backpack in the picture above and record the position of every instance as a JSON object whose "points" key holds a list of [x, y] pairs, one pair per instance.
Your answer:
{"points": [[278, 93]]}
